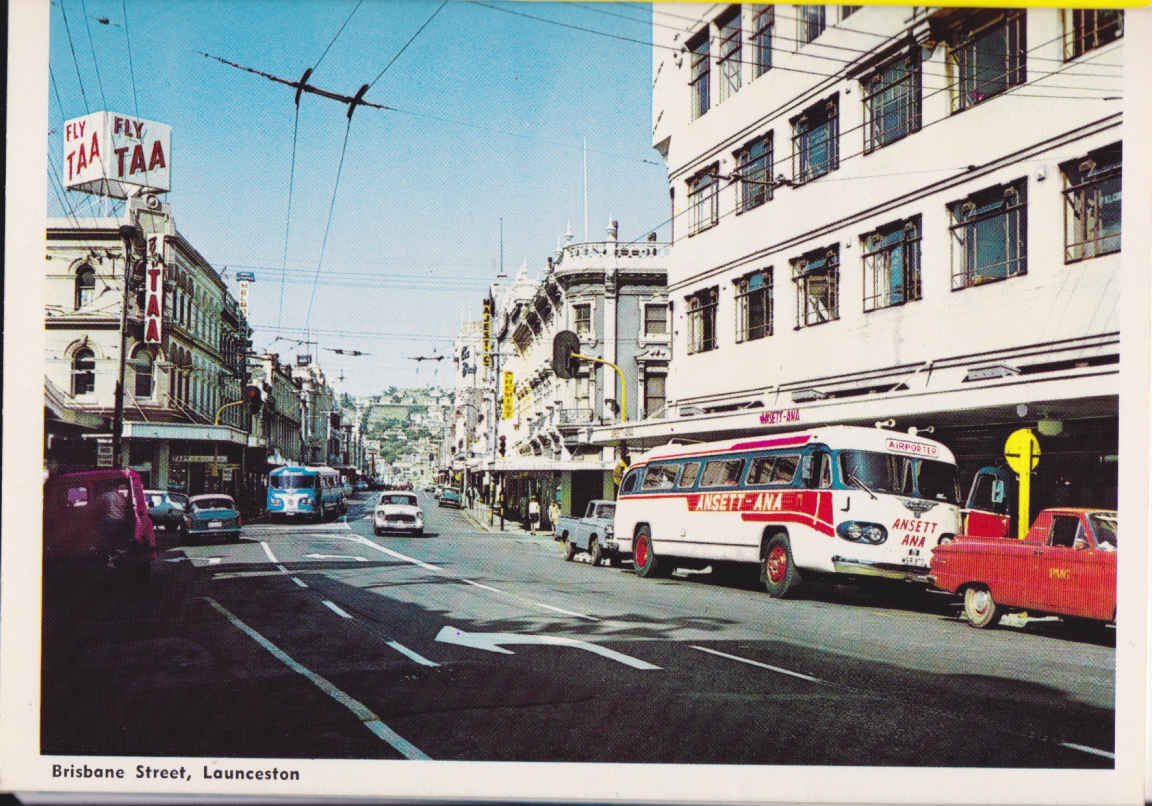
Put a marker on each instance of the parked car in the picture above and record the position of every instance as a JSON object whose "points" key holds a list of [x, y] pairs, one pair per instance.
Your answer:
{"points": [[1065, 565], [72, 516], [450, 497], [167, 510], [398, 512], [211, 515], [591, 533]]}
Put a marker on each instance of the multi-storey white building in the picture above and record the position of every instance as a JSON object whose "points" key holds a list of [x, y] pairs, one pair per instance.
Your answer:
{"points": [[886, 213]]}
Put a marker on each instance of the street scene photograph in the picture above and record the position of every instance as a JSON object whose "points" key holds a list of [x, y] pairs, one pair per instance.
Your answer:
{"points": [[717, 394]]}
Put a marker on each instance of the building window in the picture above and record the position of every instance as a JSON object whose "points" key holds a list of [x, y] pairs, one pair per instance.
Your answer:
{"points": [[142, 364], [989, 232], [582, 315], [653, 395], [761, 40], [809, 23], [699, 74], [817, 279], [1092, 204], [1091, 28], [892, 102], [891, 264], [754, 167], [85, 286], [702, 320], [703, 206], [83, 372], [655, 320], [815, 149], [754, 306], [728, 61], [989, 59], [848, 11]]}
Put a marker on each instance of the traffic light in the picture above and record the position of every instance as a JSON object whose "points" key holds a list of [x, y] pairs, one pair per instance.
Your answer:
{"points": [[503, 445], [255, 398], [564, 345]]}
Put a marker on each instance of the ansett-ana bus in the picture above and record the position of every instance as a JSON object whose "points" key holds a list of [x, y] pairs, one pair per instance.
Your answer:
{"points": [[838, 500], [305, 491]]}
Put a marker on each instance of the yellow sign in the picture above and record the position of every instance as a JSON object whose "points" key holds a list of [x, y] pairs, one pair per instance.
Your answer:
{"points": [[1022, 450], [509, 397]]}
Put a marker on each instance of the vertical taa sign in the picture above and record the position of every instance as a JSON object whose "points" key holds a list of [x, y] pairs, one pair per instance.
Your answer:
{"points": [[154, 290], [509, 391], [116, 155]]}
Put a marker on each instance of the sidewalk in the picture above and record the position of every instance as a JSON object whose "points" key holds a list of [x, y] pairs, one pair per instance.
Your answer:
{"points": [[479, 514]]}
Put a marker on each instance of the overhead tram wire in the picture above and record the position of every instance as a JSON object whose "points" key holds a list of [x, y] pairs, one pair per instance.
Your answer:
{"points": [[66, 207], [95, 61], [1009, 91], [411, 39], [75, 60], [131, 67], [292, 161]]}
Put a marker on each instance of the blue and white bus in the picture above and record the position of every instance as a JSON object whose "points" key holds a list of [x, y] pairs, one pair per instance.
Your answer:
{"points": [[305, 491]]}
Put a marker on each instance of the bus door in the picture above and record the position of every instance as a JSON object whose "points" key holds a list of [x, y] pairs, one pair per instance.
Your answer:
{"points": [[988, 509]]}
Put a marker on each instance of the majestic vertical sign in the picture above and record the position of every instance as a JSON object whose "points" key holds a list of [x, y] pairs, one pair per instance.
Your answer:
{"points": [[154, 290], [509, 393], [485, 336], [116, 155]]}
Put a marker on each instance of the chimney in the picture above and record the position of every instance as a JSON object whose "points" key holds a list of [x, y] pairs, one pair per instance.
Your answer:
{"points": [[613, 229]]}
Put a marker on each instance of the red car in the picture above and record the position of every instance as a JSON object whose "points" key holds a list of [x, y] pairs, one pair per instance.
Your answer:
{"points": [[1065, 565]]}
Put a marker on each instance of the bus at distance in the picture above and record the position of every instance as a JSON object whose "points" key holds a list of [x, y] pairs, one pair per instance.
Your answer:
{"points": [[837, 500], [305, 491]]}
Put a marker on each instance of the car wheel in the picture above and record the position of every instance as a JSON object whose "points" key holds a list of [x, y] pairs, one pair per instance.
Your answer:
{"points": [[980, 608], [569, 550], [376, 531], [644, 559], [234, 537], [597, 552], [419, 532], [777, 568]]}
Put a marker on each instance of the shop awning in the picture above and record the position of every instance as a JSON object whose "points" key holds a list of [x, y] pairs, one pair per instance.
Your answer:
{"points": [[546, 465]]}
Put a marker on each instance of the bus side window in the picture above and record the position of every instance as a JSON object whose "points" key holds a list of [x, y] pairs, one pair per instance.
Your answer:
{"points": [[629, 483], [688, 474], [816, 470]]}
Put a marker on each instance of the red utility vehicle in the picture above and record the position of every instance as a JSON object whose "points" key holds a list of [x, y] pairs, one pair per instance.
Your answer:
{"points": [[1065, 565]]}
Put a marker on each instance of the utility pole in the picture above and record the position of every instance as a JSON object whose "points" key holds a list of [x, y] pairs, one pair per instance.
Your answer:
{"points": [[130, 235]]}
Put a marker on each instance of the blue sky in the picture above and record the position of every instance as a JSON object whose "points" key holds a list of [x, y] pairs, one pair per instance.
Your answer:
{"points": [[495, 110]]}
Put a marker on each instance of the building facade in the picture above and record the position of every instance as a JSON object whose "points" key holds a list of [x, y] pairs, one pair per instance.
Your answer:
{"points": [[907, 216], [275, 437], [179, 430]]}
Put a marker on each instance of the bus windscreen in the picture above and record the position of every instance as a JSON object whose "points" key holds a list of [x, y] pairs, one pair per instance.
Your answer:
{"points": [[900, 475], [293, 481]]}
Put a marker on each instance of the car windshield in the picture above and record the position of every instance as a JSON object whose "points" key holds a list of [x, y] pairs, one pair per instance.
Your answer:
{"points": [[1104, 525], [605, 511], [901, 475], [214, 503], [155, 500], [293, 481], [401, 500]]}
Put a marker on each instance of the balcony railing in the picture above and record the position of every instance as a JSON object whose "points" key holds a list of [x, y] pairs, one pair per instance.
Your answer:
{"points": [[575, 417], [615, 249]]}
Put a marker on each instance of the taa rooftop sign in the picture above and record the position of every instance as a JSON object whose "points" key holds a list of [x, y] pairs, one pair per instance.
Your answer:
{"points": [[116, 155]]}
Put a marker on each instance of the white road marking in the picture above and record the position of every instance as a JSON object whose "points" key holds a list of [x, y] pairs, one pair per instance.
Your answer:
{"points": [[335, 609], [298, 582], [213, 560], [403, 650], [370, 720], [268, 551], [492, 641], [1085, 749], [430, 567], [335, 557], [758, 663]]}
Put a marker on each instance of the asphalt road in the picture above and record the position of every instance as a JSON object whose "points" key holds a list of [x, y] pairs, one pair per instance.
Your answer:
{"points": [[324, 641]]}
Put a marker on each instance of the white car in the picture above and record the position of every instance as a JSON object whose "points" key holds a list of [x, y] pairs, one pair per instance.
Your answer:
{"points": [[398, 512]]}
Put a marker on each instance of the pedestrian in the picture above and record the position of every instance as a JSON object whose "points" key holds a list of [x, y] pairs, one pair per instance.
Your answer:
{"points": [[553, 513], [533, 515], [117, 521]]}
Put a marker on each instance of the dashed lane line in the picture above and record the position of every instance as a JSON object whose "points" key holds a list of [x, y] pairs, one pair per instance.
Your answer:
{"points": [[1086, 749], [336, 609], [429, 567], [758, 663], [367, 717]]}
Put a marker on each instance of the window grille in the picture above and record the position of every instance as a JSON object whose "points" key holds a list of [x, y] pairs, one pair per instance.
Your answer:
{"points": [[754, 167], [761, 40], [989, 60], [754, 306], [702, 320], [817, 279], [1092, 202], [891, 257], [728, 60], [703, 204], [700, 75], [989, 236], [810, 21], [815, 141], [892, 102], [1091, 28]]}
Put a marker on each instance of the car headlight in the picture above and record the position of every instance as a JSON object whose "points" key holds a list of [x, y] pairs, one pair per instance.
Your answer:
{"points": [[305, 500], [862, 532], [608, 531]]}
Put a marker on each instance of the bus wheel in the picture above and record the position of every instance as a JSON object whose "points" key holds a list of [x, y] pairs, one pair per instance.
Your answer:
{"points": [[777, 569], [569, 550], [644, 559], [980, 608]]}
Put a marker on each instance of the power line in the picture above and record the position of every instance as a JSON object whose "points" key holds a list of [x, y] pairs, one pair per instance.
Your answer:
{"points": [[411, 39], [75, 61], [131, 68], [328, 226], [92, 46], [337, 36]]}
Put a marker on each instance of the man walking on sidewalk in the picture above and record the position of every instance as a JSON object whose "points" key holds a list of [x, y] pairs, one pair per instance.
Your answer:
{"points": [[533, 515]]}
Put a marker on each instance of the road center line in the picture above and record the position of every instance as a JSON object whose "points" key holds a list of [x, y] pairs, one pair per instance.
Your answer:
{"points": [[336, 609], [298, 582], [757, 663], [370, 720], [1085, 749]]}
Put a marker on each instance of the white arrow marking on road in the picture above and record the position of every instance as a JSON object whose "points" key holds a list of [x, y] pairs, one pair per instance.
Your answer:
{"points": [[335, 557], [491, 642]]}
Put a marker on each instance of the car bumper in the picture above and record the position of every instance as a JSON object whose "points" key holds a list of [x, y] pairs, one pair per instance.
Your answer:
{"points": [[864, 568]]}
